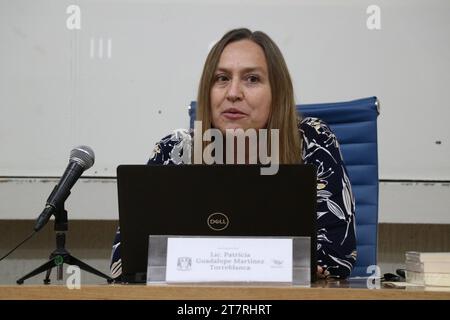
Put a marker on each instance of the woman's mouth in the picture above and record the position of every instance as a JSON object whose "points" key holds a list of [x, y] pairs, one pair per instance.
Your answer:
{"points": [[233, 114]]}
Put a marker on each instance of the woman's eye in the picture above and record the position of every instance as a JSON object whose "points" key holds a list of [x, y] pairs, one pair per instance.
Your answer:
{"points": [[253, 79], [221, 78]]}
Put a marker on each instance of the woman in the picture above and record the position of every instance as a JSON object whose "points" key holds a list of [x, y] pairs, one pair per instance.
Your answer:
{"points": [[245, 84]]}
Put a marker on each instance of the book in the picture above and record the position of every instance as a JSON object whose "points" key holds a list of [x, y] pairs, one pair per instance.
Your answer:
{"points": [[428, 278], [415, 256], [433, 266]]}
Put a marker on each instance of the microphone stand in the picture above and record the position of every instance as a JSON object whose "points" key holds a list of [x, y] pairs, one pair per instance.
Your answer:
{"points": [[60, 256]]}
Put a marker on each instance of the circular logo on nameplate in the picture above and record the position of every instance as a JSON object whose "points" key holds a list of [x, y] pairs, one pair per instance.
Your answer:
{"points": [[218, 221]]}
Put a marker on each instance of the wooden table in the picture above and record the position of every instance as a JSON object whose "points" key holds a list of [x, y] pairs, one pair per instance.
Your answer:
{"points": [[320, 291]]}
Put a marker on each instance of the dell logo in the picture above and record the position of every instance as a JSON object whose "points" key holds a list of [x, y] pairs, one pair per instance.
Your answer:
{"points": [[218, 221]]}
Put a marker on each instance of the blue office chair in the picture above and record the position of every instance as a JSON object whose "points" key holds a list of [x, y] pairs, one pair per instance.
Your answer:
{"points": [[355, 126]]}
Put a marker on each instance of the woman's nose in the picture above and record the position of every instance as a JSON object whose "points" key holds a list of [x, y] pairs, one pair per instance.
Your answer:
{"points": [[235, 92]]}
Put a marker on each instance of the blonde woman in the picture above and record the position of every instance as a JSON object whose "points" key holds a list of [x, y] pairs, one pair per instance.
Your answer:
{"points": [[246, 85]]}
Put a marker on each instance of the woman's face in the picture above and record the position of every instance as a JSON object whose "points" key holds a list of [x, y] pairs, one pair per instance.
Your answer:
{"points": [[241, 95]]}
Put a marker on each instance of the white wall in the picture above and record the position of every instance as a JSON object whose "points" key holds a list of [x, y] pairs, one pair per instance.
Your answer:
{"points": [[56, 93]]}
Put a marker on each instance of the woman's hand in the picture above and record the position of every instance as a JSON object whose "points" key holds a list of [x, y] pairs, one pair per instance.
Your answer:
{"points": [[320, 272]]}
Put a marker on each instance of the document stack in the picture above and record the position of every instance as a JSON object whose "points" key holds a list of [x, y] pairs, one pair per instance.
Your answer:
{"points": [[431, 269]]}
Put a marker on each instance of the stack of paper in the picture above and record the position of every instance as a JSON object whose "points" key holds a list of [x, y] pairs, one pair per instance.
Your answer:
{"points": [[428, 268]]}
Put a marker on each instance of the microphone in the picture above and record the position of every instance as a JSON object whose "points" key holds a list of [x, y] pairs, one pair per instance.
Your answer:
{"points": [[81, 158]]}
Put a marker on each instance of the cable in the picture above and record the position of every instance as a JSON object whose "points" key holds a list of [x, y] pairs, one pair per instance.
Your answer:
{"points": [[28, 238]]}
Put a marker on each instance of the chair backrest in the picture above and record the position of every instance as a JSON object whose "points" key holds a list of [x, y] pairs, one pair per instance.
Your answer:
{"points": [[355, 126]]}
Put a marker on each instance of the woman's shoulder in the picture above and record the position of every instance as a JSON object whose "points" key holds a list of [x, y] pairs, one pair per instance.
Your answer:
{"points": [[317, 133], [316, 128], [313, 123], [320, 140], [163, 151], [176, 136]]}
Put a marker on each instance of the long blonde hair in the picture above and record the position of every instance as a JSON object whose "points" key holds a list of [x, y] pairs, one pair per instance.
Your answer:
{"points": [[283, 115]]}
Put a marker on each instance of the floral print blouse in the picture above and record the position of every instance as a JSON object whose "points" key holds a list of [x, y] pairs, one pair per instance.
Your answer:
{"points": [[336, 241]]}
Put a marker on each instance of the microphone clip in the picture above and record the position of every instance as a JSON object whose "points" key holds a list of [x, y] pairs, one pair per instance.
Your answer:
{"points": [[58, 211]]}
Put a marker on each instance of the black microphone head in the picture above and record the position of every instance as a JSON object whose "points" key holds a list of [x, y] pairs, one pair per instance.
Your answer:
{"points": [[83, 155]]}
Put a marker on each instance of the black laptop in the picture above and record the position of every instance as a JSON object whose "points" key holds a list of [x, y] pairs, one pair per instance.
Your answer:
{"points": [[211, 200]]}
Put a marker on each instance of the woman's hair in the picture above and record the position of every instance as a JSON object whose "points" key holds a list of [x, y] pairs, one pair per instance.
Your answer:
{"points": [[283, 115]]}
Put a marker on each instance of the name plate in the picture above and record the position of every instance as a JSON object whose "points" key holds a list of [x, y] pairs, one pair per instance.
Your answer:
{"points": [[229, 260]]}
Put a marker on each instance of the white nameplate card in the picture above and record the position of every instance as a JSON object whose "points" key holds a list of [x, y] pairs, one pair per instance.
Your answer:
{"points": [[229, 260]]}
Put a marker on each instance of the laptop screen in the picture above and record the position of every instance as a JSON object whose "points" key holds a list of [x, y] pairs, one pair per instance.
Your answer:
{"points": [[211, 200]]}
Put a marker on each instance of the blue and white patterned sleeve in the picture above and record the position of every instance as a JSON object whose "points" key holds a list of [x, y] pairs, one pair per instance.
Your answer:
{"points": [[336, 240], [116, 262]]}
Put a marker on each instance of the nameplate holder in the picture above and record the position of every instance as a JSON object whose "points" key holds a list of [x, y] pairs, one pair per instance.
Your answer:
{"points": [[224, 260]]}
